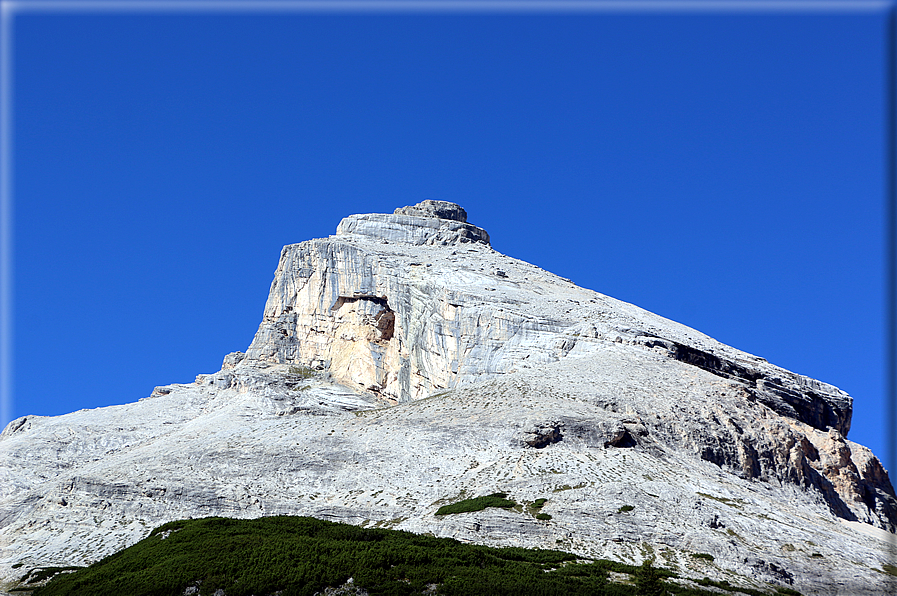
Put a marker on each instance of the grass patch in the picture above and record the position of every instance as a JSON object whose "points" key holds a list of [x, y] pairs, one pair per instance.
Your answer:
{"points": [[535, 509], [706, 556], [734, 534], [568, 487], [724, 500], [303, 372], [477, 504], [889, 569]]}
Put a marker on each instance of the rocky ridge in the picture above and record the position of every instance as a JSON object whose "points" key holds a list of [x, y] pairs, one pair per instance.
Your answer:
{"points": [[402, 364]]}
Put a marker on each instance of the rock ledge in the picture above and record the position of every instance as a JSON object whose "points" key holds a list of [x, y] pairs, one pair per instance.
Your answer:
{"points": [[433, 223], [437, 209]]}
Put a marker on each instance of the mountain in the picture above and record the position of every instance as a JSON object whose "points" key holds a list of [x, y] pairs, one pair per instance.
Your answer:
{"points": [[402, 364]]}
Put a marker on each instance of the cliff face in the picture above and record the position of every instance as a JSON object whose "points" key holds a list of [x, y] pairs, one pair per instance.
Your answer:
{"points": [[402, 363], [405, 305]]}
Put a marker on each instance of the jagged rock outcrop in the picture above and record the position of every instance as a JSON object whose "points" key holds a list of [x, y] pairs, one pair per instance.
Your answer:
{"points": [[403, 363], [429, 222], [437, 209]]}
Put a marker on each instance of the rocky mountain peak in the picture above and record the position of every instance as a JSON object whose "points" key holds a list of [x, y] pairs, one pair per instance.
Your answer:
{"points": [[402, 364]]}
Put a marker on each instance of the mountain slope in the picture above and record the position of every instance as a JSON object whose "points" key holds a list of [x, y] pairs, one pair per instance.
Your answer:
{"points": [[402, 364]]}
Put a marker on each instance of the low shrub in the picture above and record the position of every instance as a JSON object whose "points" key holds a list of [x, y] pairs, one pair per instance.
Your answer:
{"points": [[477, 504], [301, 556], [298, 556], [625, 508], [40, 574], [303, 371], [725, 585]]}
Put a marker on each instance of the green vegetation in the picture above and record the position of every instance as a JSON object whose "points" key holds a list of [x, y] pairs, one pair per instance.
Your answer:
{"points": [[729, 502], [568, 487], [301, 556], [724, 585], [17, 565], [889, 569], [647, 580], [707, 556], [303, 371], [535, 509], [40, 574], [625, 508], [477, 504], [292, 556]]}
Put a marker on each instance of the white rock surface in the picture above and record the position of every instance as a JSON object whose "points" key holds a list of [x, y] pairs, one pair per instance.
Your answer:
{"points": [[444, 370]]}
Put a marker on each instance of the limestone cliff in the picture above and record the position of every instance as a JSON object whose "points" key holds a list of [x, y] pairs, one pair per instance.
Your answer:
{"points": [[402, 363], [403, 305]]}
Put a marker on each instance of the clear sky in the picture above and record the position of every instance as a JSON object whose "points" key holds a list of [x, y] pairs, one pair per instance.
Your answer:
{"points": [[724, 170]]}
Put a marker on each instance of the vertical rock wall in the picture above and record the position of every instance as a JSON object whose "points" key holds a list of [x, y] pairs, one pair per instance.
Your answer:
{"points": [[379, 324]]}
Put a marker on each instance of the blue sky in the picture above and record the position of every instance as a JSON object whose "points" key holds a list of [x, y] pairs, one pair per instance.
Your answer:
{"points": [[724, 170]]}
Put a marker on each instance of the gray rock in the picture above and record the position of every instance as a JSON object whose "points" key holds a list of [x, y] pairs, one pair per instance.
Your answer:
{"points": [[407, 229], [431, 208], [232, 360]]}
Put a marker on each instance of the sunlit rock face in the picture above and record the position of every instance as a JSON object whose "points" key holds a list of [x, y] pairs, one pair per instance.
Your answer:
{"points": [[402, 363], [403, 305]]}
